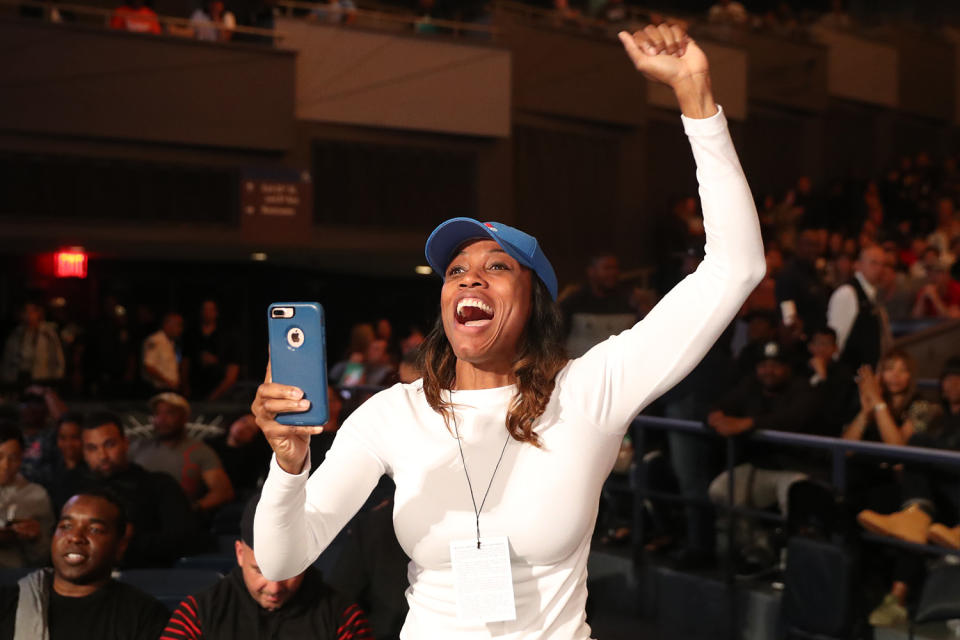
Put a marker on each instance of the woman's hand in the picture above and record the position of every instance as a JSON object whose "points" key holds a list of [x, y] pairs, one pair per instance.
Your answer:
{"points": [[819, 366], [866, 405], [869, 386], [291, 444], [665, 53]]}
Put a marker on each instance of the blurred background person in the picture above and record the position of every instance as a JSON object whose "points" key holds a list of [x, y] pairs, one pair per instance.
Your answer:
{"points": [[33, 352], [210, 363], [162, 354], [599, 309], [26, 517]]}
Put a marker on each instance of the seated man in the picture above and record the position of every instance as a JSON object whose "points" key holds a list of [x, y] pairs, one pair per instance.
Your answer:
{"points": [[77, 599], [762, 327], [190, 462], [832, 380], [40, 408], [164, 527], [26, 517], [245, 455], [774, 398], [247, 605]]}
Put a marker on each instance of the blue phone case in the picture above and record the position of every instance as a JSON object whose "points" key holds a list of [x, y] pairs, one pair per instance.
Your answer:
{"points": [[298, 357]]}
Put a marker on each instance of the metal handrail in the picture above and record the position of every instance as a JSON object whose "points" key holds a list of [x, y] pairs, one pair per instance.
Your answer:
{"points": [[406, 19], [838, 445], [839, 448]]}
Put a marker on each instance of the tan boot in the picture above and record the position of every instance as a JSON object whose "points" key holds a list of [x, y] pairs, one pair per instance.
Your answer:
{"points": [[944, 536], [910, 524]]}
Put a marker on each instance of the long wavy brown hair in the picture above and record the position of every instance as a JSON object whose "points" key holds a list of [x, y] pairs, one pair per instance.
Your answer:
{"points": [[898, 409], [540, 356]]}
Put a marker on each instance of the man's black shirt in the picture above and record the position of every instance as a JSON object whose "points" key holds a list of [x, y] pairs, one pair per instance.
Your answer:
{"points": [[116, 611]]}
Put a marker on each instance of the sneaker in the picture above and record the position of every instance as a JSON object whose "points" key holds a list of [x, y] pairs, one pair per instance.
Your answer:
{"points": [[940, 534], [910, 524], [890, 613]]}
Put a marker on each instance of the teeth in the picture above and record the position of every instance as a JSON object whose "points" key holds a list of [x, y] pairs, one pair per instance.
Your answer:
{"points": [[473, 302], [74, 557]]}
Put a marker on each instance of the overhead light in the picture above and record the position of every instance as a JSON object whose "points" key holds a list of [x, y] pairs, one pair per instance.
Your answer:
{"points": [[258, 256], [423, 269]]}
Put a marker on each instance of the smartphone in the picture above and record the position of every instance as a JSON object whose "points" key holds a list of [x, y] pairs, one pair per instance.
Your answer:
{"points": [[788, 310], [298, 357]]}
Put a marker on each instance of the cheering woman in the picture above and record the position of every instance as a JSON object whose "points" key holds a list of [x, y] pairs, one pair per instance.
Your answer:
{"points": [[499, 452]]}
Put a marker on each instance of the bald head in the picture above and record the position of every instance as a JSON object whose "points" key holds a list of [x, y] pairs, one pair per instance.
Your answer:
{"points": [[870, 264]]}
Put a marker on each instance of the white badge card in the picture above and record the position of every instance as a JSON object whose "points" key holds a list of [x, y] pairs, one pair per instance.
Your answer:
{"points": [[482, 580]]}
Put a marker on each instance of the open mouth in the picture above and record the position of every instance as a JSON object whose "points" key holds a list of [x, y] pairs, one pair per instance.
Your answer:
{"points": [[473, 312], [74, 558]]}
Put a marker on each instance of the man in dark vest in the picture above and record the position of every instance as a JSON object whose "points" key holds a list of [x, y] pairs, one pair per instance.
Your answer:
{"points": [[246, 606], [855, 313]]}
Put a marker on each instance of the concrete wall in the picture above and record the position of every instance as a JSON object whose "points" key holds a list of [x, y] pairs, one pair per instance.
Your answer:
{"points": [[392, 80], [102, 84]]}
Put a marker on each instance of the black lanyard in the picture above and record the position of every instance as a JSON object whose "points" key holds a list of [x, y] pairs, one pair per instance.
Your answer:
{"points": [[477, 511]]}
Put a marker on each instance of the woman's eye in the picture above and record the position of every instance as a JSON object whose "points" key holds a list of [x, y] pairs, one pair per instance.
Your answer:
{"points": [[499, 266], [452, 271]]}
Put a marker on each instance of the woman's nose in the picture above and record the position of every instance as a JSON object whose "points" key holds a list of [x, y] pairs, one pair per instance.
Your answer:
{"points": [[472, 280]]}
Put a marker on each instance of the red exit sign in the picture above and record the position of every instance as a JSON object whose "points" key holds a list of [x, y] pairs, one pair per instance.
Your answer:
{"points": [[70, 264]]}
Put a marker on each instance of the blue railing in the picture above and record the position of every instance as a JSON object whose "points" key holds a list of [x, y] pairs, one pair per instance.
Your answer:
{"points": [[838, 448]]}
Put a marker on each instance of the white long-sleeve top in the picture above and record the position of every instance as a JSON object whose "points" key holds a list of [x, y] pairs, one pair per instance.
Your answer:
{"points": [[544, 500]]}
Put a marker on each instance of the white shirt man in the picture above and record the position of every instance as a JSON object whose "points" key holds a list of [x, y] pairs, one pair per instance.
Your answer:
{"points": [[844, 305], [161, 356]]}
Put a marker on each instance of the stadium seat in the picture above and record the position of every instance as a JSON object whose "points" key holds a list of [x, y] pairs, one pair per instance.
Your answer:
{"points": [[170, 586], [219, 562]]}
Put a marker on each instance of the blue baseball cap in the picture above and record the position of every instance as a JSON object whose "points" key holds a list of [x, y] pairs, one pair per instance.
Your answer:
{"points": [[522, 247]]}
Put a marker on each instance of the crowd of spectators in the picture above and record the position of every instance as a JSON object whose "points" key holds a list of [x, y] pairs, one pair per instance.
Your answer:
{"points": [[114, 356], [173, 488], [131, 499], [849, 265], [811, 352], [217, 20]]}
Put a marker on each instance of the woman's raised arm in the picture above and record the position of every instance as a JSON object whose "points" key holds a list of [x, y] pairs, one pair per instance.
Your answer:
{"points": [[613, 381]]}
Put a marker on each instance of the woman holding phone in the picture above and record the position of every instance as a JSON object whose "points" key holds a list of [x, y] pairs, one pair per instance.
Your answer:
{"points": [[499, 452]]}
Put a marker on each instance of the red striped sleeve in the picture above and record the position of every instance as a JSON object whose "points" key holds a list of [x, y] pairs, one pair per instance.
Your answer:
{"points": [[184, 624], [354, 625]]}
